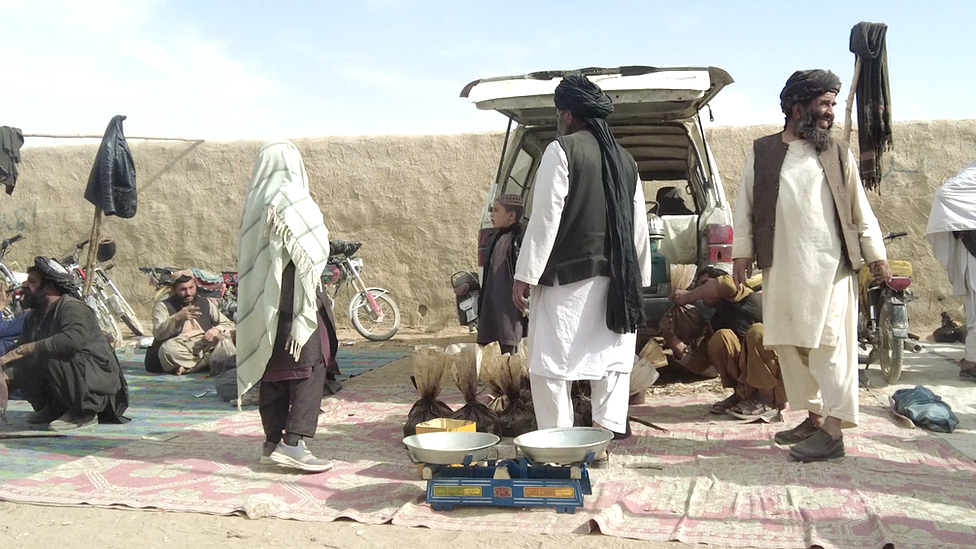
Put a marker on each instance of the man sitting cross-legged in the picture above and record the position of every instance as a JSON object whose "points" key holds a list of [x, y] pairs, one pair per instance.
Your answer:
{"points": [[190, 331]]}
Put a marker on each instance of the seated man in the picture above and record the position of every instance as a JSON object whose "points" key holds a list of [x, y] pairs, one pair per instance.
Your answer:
{"points": [[62, 363], [735, 348], [190, 331]]}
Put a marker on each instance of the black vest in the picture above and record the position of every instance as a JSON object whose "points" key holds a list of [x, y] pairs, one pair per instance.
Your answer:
{"points": [[581, 248], [738, 316], [770, 151], [173, 304]]}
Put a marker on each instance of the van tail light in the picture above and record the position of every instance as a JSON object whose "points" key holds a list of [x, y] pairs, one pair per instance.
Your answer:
{"points": [[719, 243], [899, 283]]}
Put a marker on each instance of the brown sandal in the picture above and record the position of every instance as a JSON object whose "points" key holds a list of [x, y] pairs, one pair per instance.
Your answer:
{"points": [[723, 406], [751, 408]]}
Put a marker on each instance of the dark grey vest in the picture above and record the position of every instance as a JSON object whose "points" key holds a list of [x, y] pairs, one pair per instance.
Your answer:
{"points": [[581, 246], [770, 151]]}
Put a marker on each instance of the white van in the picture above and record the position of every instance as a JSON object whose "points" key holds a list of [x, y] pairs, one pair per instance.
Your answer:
{"points": [[657, 119]]}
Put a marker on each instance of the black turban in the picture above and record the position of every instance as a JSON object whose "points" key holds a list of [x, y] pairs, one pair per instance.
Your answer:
{"points": [[578, 95], [625, 308], [806, 85], [56, 274]]}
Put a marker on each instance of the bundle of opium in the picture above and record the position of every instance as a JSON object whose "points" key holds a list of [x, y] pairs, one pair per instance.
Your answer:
{"points": [[466, 359], [507, 374], [430, 365]]}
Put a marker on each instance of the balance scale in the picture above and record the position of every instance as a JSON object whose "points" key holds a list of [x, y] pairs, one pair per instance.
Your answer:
{"points": [[507, 483]]}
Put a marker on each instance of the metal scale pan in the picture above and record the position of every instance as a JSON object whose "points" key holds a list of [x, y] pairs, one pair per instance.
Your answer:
{"points": [[450, 448], [563, 445]]}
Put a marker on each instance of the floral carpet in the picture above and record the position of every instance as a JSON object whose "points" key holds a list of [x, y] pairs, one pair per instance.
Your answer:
{"points": [[704, 479]]}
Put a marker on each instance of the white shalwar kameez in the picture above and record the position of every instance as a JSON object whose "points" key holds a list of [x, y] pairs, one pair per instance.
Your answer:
{"points": [[568, 336], [810, 294], [954, 209]]}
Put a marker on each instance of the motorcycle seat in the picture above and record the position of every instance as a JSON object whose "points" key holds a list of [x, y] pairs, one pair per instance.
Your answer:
{"points": [[347, 248]]}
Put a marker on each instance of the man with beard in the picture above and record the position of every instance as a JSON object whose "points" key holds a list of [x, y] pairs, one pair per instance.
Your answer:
{"points": [[191, 332], [803, 216], [62, 363], [585, 255]]}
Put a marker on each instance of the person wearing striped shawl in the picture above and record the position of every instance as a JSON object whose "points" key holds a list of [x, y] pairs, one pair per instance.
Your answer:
{"points": [[284, 246]]}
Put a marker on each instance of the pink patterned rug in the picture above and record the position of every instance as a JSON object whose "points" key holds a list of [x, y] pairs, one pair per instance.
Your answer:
{"points": [[706, 480]]}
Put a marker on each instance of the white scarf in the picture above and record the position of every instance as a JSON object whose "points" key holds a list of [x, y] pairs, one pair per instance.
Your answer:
{"points": [[953, 209], [281, 223]]}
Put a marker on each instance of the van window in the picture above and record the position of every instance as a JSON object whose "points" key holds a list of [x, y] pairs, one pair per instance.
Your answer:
{"points": [[669, 197]]}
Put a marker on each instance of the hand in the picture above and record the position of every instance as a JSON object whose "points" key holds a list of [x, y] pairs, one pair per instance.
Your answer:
{"points": [[880, 271], [211, 335], [190, 312], [667, 328], [741, 271], [520, 291], [17, 353], [680, 297]]}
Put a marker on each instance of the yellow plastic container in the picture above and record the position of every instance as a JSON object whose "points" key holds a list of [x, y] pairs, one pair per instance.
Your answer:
{"points": [[443, 424]]}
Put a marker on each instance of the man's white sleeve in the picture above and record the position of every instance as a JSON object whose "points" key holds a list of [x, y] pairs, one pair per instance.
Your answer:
{"points": [[642, 240], [742, 241], [548, 199]]}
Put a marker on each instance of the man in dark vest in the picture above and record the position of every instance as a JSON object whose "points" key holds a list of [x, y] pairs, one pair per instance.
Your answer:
{"points": [[734, 347], [585, 256], [190, 331], [62, 362], [804, 218]]}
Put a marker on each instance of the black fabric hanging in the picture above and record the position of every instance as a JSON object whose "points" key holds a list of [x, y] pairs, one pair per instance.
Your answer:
{"points": [[873, 100]]}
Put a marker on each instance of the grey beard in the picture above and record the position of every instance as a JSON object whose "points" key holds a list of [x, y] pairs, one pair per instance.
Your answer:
{"points": [[808, 129]]}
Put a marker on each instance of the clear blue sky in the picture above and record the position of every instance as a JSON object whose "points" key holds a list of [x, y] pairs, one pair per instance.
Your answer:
{"points": [[260, 69]]}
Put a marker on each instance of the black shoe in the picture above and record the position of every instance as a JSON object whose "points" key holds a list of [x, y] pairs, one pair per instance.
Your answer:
{"points": [[71, 421], [819, 447], [799, 433], [40, 417]]}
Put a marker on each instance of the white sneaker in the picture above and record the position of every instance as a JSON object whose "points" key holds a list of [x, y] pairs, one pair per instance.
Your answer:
{"points": [[298, 457]]}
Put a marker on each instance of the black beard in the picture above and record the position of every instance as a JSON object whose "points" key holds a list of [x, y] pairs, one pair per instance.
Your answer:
{"points": [[34, 300], [807, 128]]}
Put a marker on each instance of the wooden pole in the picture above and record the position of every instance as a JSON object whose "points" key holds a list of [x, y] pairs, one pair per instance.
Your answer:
{"points": [[848, 118], [92, 250]]}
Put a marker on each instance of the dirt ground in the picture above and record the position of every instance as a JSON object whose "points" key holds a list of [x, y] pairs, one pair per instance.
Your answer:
{"points": [[39, 527]]}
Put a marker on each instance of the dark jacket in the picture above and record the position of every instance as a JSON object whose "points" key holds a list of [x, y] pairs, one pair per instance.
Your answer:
{"points": [[112, 182], [513, 252], [70, 340]]}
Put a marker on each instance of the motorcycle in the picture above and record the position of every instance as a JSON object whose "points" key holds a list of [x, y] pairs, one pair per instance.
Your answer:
{"points": [[105, 298], [373, 312], [883, 316], [10, 281], [222, 289]]}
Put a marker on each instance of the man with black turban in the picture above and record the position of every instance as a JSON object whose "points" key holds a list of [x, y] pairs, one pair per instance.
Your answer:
{"points": [[585, 255], [802, 204], [62, 363]]}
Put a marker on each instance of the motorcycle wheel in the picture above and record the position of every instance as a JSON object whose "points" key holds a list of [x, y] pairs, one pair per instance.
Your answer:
{"points": [[121, 307], [105, 321], [890, 348], [372, 327]]}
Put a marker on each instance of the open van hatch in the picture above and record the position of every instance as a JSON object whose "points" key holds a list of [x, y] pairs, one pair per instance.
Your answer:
{"points": [[655, 118]]}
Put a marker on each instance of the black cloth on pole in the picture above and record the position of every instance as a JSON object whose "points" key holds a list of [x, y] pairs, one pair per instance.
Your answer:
{"points": [[11, 139], [112, 182], [873, 100], [583, 98]]}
